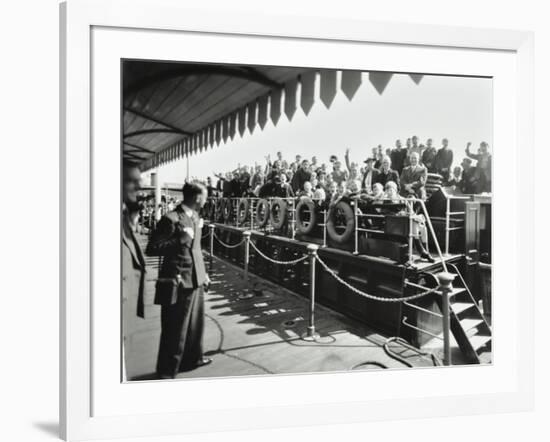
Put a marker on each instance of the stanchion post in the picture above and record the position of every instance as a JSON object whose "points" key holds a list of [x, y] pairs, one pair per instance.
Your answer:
{"points": [[410, 213], [212, 227], [445, 286], [246, 235], [324, 227], [356, 230], [310, 334]]}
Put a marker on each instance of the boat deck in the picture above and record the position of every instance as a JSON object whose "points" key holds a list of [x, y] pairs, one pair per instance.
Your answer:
{"points": [[260, 333]]}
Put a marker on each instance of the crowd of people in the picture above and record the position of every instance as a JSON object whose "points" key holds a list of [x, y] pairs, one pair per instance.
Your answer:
{"points": [[402, 171]]}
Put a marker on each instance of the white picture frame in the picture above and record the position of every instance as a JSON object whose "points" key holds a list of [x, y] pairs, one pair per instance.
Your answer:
{"points": [[84, 413]]}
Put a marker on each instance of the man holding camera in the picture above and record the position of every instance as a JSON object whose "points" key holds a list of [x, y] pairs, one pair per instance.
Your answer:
{"points": [[181, 283]]}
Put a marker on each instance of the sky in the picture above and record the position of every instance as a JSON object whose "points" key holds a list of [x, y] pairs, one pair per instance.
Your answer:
{"points": [[457, 108]]}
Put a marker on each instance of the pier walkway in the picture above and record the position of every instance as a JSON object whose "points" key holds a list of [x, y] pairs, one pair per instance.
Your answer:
{"points": [[259, 333]]}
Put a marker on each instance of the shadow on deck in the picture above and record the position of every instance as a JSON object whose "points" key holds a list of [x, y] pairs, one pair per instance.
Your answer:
{"points": [[257, 331]]}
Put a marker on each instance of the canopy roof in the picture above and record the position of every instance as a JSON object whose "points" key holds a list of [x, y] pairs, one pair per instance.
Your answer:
{"points": [[175, 109]]}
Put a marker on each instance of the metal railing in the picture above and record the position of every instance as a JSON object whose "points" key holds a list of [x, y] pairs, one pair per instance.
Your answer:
{"points": [[443, 289], [449, 214], [358, 215]]}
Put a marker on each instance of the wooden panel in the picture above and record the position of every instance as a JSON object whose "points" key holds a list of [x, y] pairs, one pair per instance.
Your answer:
{"points": [[328, 86], [262, 110], [350, 82], [307, 91], [290, 98], [275, 106], [380, 80]]}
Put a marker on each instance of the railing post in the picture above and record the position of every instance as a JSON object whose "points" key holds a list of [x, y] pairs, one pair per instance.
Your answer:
{"points": [[212, 227], [356, 215], [447, 224], [293, 222], [237, 213], [246, 235], [252, 208], [445, 285], [324, 227], [410, 212], [310, 334]]}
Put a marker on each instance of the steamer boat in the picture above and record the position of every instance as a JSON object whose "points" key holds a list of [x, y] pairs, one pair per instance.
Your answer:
{"points": [[367, 255]]}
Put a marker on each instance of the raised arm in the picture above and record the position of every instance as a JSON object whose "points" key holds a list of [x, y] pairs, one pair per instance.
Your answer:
{"points": [[469, 154], [346, 157], [167, 238]]}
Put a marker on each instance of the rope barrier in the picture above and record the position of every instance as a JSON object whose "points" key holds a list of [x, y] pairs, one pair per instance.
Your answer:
{"points": [[295, 261], [366, 295], [229, 246]]}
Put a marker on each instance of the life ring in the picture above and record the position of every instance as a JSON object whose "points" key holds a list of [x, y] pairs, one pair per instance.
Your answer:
{"points": [[306, 227], [262, 212], [349, 217], [227, 209], [278, 213], [242, 210]]}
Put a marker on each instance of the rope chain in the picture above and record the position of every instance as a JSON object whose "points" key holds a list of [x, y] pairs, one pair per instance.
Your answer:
{"points": [[366, 295], [229, 246], [295, 261]]}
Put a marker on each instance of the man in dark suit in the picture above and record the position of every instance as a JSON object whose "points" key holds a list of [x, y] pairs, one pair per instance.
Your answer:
{"points": [[370, 176], [180, 285], [398, 156], [133, 262], [413, 178], [444, 160], [300, 177]]}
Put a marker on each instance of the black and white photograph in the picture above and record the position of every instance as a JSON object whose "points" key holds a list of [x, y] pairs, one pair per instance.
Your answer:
{"points": [[294, 220]]}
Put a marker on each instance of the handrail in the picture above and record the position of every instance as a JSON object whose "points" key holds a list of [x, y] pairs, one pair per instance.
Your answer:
{"points": [[432, 232], [417, 307], [406, 202], [421, 330], [455, 268]]}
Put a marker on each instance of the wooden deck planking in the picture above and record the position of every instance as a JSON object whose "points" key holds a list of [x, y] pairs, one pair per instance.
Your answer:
{"points": [[248, 337]]}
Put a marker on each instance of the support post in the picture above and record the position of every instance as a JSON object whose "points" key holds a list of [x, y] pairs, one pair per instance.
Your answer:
{"points": [[212, 228], [445, 285], [324, 227], [156, 183], [293, 222], [356, 215], [246, 235], [252, 208], [447, 224], [310, 334], [410, 212]]}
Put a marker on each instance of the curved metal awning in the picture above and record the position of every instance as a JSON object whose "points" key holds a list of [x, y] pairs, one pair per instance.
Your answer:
{"points": [[175, 109]]}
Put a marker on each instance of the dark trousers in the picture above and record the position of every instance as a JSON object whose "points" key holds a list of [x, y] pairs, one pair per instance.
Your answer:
{"points": [[182, 326]]}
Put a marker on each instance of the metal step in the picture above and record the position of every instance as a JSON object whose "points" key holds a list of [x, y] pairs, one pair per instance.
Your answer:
{"points": [[460, 307], [479, 341], [469, 325]]}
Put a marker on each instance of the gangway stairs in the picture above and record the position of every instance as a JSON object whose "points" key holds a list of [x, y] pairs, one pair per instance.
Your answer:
{"points": [[470, 329]]}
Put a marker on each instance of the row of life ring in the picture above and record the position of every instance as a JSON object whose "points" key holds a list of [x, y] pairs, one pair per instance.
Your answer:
{"points": [[340, 223]]}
